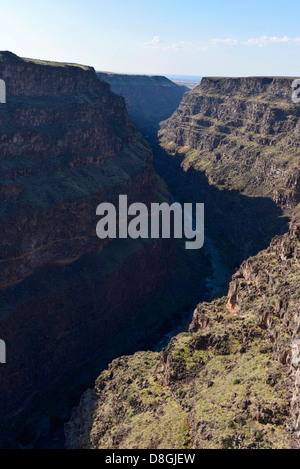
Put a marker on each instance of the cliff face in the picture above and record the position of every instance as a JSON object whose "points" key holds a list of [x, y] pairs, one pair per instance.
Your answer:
{"points": [[243, 133], [149, 99], [237, 141], [66, 297], [232, 381]]}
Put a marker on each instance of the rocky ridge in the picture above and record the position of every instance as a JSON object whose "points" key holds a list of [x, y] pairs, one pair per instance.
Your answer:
{"points": [[244, 133]]}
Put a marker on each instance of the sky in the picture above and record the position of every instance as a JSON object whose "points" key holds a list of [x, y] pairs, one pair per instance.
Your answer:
{"points": [[158, 37]]}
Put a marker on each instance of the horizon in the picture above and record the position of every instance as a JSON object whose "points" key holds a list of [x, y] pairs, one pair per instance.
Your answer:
{"points": [[166, 75], [216, 39]]}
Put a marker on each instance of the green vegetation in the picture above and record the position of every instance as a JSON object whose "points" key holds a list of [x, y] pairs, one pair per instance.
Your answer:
{"points": [[56, 64], [223, 385], [6, 56], [257, 141], [150, 416], [220, 395]]}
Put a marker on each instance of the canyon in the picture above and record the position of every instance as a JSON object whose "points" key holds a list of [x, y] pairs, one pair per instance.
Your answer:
{"points": [[104, 326], [149, 99], [70, 302], [232, 379]]}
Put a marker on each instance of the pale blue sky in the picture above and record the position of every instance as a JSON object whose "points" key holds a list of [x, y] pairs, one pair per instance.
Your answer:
{"points": [[191, 37]]}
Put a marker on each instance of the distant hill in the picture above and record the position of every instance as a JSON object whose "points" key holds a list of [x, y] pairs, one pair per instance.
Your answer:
{"points": [[186, 80]]}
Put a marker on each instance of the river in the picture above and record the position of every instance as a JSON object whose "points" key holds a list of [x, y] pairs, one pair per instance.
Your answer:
{"points": [[214, 283]]}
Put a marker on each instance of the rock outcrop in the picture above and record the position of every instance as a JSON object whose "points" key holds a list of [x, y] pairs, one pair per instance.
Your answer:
{"points": [[232, 381], [149, 99]]}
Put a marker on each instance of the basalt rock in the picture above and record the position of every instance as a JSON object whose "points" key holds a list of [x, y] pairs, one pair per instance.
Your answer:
{"points": [[233, 143], [149, 99], [66, 297], [269, 282], [232, 381]]}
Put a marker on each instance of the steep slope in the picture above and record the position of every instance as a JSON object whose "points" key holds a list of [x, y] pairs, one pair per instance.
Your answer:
{"points": [[233, 143], [232, 381], [67, 298], [65, 138], [149, 99], [244, 133]]}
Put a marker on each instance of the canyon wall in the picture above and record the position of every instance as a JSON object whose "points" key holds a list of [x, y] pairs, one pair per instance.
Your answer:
{"points": [[149, 99], [233, 143], [67, 298]]}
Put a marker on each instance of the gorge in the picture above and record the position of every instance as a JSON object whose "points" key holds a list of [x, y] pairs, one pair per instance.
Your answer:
{"points": [[75, 309], [70, 302], [232, 380]]}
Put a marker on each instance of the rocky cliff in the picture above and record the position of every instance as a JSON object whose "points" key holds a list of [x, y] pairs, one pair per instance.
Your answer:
{"points": [[236, 142], [149, 99], [67, 299], [243, 133], [65, 139], [232, 381]]}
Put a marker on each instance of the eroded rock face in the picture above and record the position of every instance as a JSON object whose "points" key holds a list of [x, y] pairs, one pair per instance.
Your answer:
{"points": [[270, 282], [235, 142], [232, 381], [37, 78], [66, 145], [243, 133], [149, 99], [66, 141]]}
